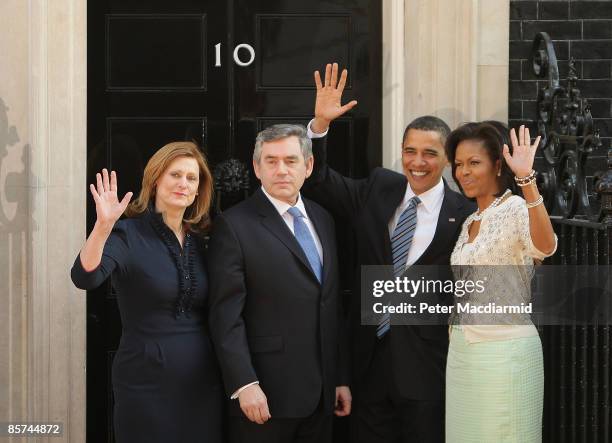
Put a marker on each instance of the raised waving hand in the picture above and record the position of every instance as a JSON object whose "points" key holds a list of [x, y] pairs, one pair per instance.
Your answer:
{"points": [[108, 206], [108, 210], [328, 104], [523, 152]]}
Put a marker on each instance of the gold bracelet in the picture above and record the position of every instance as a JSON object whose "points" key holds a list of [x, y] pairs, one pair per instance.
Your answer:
{"points": [[533, 204], [531, 182], [527, 183], [524, 181]]}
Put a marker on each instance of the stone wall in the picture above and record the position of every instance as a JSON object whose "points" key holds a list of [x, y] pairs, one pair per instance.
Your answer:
{"points": [[42, 212]]}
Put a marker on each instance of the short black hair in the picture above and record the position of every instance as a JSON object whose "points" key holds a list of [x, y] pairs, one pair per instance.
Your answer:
{"points": [[493, 135], [428, 123]]}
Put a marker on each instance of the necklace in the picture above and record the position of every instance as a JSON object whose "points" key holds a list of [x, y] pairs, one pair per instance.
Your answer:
{"points": [[479, 214]]}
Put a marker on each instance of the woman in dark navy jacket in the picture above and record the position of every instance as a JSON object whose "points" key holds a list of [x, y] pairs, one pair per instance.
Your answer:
{"points": [[165, 377]]}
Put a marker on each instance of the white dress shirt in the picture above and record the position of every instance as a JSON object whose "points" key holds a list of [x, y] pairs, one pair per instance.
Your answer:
{"points": [[428, 212], [282, 209], [311, 134]]}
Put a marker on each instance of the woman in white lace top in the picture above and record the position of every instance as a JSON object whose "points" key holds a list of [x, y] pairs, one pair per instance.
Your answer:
{"points": [[494, 375]]}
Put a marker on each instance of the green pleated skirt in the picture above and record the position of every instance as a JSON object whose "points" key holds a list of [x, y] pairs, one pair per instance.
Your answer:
{"points": [[494, 390]]}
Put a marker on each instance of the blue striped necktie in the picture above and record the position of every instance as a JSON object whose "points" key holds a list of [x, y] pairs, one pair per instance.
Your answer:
{"points": [[304, 238], [400, 247]]}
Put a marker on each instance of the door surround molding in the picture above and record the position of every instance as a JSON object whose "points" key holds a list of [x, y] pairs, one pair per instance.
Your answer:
{"points": [[448, 59], [54, 337]]}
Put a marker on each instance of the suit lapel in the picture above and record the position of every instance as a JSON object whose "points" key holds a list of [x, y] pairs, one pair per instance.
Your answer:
{"points": [[448, 223], [273, 222], [389, 207]]}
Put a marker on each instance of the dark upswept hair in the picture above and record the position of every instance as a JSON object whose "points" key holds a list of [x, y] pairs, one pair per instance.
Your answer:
{"points": [[197, 214], [493, 135], [428, 123], [502, 129]]}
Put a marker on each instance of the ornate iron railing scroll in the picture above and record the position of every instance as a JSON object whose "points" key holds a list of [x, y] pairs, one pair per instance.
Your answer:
{"points": [[569, 137]]}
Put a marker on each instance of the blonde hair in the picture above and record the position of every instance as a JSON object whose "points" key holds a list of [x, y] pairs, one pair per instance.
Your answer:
{"points": [[197, 214]]}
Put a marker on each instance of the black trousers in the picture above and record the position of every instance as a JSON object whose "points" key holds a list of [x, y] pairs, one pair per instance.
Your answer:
{"points": [[381, 415], [316, 428]]}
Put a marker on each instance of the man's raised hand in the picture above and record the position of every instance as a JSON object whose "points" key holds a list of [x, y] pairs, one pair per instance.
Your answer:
{"points": [[328, 105]]}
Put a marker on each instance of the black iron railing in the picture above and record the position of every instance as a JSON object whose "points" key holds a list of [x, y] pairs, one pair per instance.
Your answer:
{"points": [[577, 358]]}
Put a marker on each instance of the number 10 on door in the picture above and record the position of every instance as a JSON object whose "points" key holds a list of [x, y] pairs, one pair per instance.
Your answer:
{"points": [[237, 58]]}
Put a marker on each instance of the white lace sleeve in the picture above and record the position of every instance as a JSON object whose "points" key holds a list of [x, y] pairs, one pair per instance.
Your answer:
{"points": [[524, 234]]}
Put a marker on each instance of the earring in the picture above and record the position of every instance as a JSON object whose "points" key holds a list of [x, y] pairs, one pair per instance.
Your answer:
{"points": [[499, 173]]}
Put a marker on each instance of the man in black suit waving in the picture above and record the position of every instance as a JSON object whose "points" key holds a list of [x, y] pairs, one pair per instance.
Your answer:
{"points": [[398, 372], [274, 305]]}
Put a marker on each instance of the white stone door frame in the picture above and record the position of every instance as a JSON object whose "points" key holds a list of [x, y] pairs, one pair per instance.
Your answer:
{"points": [[447, 58], [54, 334]]}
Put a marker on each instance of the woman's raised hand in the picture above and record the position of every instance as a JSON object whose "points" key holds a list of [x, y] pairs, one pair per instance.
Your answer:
{"points": [[523, 152], [108, 206]]}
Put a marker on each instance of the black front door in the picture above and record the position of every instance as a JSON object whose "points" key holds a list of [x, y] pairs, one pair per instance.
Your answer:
{"points": [[161, 71]]}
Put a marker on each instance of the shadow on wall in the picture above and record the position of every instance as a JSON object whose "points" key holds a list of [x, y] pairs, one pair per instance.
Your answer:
{"points": [[15, 257]]}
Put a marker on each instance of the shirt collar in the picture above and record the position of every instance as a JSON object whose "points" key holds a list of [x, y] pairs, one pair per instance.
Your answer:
{"points": [[430, 199], [282, 207]]}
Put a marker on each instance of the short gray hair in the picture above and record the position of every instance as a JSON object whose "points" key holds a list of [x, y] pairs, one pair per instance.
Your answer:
{"points": [[280, 131]]}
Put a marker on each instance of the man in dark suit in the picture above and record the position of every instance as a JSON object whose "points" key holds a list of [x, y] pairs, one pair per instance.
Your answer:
{"points": [[398, 372], [274, 305]]}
